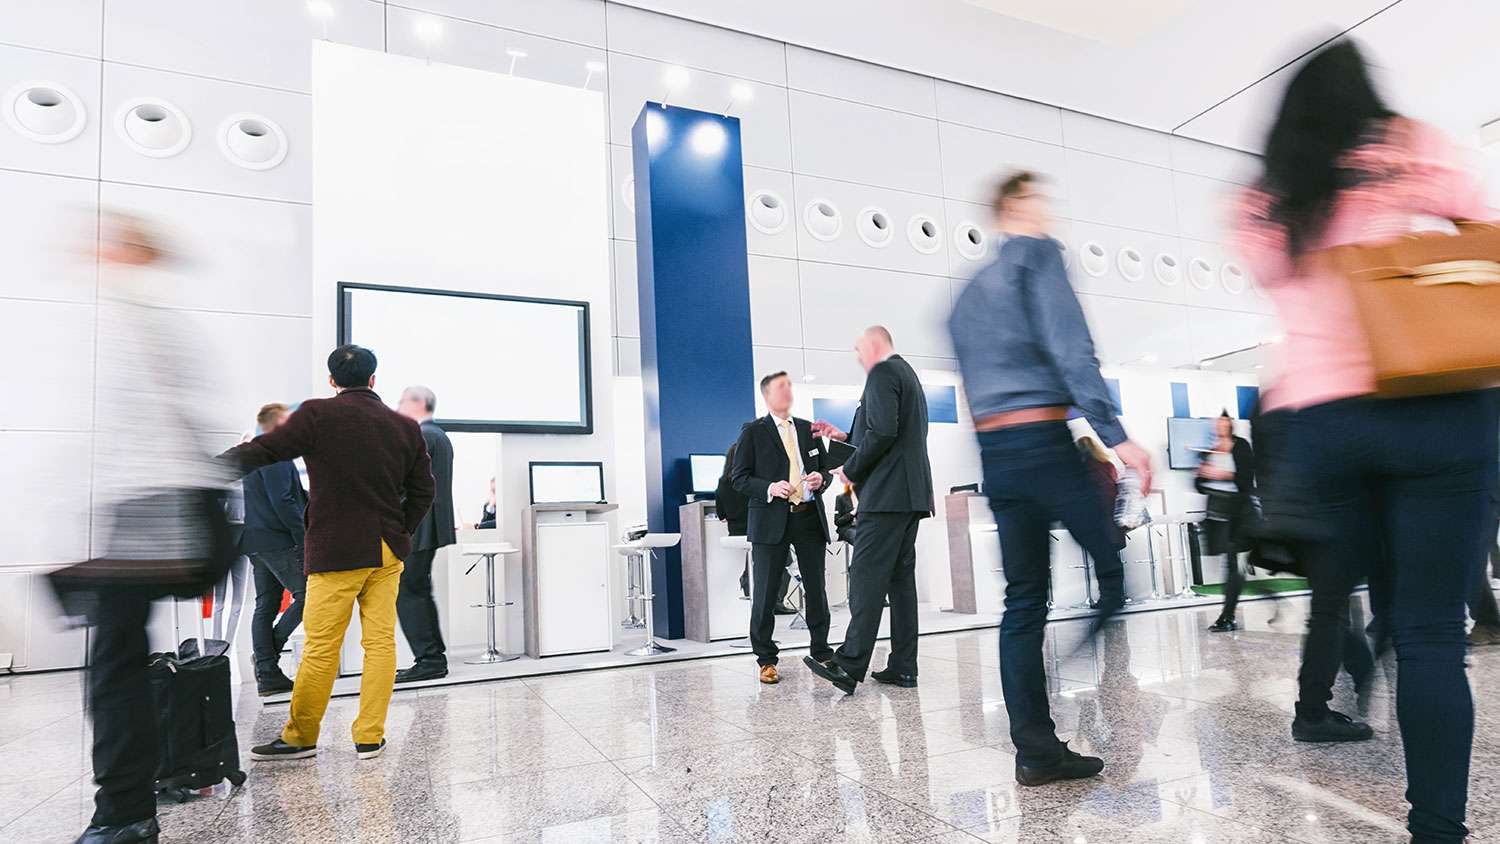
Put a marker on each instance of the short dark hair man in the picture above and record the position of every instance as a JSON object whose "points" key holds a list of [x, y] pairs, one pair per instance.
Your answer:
{"points": [[371, 486], [415, 605], [778, 467], [274, 506]]}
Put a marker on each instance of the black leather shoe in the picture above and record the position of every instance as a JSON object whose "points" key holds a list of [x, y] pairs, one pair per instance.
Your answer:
{"points": [[279, 749], [1224, 625], [1072, 766], [273, 684], [420, 672], [783, 609], [145, 831], [833, 673], [1333, 726], [891, 678]]}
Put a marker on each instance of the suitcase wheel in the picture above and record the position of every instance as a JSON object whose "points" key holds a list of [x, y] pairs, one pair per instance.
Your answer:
{"points": [[236, 778]]}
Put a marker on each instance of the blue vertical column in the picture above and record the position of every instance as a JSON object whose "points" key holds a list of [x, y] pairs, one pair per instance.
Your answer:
{"points": [[697, 369]]}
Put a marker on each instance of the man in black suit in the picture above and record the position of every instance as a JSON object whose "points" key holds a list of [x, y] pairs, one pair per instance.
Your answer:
{"points": [[274, 506], [778, 466], [415, 606], [893, 479]]}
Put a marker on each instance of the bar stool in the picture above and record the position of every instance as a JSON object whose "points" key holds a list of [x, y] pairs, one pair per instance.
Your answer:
{"points": [[642, 549], [738, 543], [635, 583], [494, 597]]}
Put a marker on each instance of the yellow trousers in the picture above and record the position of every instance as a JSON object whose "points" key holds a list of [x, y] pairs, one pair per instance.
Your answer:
{"points": [[330, 601]]}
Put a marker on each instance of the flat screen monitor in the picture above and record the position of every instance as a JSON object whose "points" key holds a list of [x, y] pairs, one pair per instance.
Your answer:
{"points": [[1187, 439], [567, 483], [706, 470], [503, 364]]}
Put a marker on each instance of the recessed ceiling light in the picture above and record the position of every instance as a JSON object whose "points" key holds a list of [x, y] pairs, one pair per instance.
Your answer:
{"points": [[427, 29], [594, 67], [741, 93], [320, 9], [676, 77]]}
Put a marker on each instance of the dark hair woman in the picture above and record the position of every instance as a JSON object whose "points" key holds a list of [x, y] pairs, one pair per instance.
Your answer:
{"points": [[1226, 475], [1396, 485]]}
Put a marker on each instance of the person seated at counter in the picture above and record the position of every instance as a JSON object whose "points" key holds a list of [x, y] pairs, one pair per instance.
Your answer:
{"points": [[487, 516]]}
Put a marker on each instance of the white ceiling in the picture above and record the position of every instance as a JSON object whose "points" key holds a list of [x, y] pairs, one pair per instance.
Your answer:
{"points": [[1202, 68]]}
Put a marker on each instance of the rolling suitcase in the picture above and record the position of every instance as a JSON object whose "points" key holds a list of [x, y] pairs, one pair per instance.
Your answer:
{"points": [[194, 718]]}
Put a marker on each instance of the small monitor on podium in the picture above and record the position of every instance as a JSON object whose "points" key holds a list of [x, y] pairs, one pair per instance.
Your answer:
{"points": [[706, 470], [567, 482]]}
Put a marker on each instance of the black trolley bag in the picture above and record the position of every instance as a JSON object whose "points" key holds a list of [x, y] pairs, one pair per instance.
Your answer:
{"points": [[194, 718]]}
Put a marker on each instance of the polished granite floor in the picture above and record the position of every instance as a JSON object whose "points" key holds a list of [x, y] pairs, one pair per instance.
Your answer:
{"points": [[1194, 728]]}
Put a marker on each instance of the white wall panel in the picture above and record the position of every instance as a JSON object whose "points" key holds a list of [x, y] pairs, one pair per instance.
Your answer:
{"points": [[63, 26], [233, 254], [768, 359], [78, 157], [998, 113], [47, 224], [848, 248], [843, 301], [480, 46], [53, 504], [763, 120], [859, 143], [581, 21], [265, 359], [621, 184], [207, 103], [628, 356], [861, 82], [1216, 296], [1107, 137], [975, 160], [783, 243], [1126, 331], [1215, 162], [1203, 206], [834, 367], [695, 45], [1120, 193], [627, 290], [262, 42], [960, 213], [1113, 282], [48, 349], [775, 302]]}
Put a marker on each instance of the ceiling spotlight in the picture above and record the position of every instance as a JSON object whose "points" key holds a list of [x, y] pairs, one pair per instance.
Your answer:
{"points": [[321, 10], [515, 56], [656, 129], [738, 93], [427, 30], [675, 77], [592, 68]]}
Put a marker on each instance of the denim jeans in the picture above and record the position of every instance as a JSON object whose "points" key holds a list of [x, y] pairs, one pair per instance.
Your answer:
{"points": [[275, 571], [1404, 487], [1034, 476]]}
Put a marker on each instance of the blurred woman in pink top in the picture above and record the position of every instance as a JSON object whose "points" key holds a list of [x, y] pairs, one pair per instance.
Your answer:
{"points": [[1397, 489]]}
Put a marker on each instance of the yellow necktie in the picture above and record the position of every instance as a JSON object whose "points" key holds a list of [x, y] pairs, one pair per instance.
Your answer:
{"points": [[789, 442]]}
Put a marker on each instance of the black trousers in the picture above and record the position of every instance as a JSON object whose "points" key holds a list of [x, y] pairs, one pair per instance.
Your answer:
{"points": [[804, 532], [417, 611], [273, 572], [884, 564], [125, 743]]}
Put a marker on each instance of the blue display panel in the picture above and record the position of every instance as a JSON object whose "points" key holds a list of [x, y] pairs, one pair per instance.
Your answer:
{"points": [[1247, 398], [1181, 408], [942, 403]]}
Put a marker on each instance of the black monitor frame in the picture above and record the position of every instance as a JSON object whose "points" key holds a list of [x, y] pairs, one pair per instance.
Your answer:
{"points": [[531, 486]]}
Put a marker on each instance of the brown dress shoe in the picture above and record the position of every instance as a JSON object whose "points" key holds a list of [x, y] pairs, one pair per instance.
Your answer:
{"points": [[769, 676]]}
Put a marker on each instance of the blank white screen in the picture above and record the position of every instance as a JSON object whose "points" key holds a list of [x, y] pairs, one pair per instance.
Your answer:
{"points": [[706, 469], [488, 360], [566, 484]]}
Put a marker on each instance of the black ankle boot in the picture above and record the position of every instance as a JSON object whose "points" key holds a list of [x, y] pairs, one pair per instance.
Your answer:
{"points": [[140, 832], [1329, 726]]}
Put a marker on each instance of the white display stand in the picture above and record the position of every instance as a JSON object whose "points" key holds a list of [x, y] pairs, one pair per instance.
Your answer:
{"points": [[565, 560]]}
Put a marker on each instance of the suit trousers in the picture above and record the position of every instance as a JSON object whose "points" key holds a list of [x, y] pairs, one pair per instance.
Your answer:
{"points": [[884, 564], [119, 692], [805, 533], [418, 611], [331, 597]]}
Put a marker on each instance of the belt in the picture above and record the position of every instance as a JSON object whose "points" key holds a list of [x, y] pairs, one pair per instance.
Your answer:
{"points": [[802, 507], [1024, 416]]}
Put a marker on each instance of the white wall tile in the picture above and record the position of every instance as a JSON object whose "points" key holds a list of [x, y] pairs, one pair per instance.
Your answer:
{"points": [[768, 359], [1213, 161], [848, 248], [207, 104], [858, 143], [1107, 137], [53, 503], [763, 124], [234, 254], [775, 302], [998, 113], [843, 301], [834, 368], [78, 157], [627, 293], [1203, 206], [1120, 193], [1126, 331], [47, 224], [580, 21], [49, 352], [628, 356], [862, 82], [262, 42], [974, 161], [695, 45], [622, 175], [63, 26], [782, 244], [1113, 282], [480, 46]]}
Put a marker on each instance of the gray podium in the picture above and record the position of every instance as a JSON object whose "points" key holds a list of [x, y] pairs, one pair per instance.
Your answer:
{"points": [[956, 507], [711, 606]]}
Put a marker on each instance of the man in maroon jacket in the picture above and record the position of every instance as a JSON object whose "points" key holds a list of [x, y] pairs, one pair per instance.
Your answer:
{"points": [[371, 484]]}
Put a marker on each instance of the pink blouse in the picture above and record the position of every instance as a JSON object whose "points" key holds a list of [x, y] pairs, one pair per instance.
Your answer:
{"points": [[1414, 170]]}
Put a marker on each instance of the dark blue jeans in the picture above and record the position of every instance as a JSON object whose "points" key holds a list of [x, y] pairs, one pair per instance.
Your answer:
{"points": [[1034, 476], [1404, 487], [274, 571]]}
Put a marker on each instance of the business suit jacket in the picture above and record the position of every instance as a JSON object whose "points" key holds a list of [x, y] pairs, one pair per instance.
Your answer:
{"points": [[437, 529], [889, 467], [275, 504], [369, 471], [760, 460]]}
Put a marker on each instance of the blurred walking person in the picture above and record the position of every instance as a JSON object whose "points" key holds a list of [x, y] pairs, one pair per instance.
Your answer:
{"points": [[1395, 484], [1226, 476]]}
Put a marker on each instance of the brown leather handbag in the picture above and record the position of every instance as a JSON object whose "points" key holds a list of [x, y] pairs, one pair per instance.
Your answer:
{"points": [[1430, 306]]}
